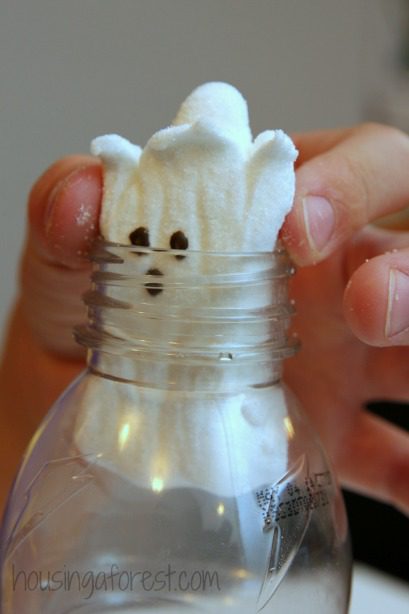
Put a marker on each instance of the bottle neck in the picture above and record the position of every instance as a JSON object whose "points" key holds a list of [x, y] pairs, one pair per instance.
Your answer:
{"points": [[187, 320]]}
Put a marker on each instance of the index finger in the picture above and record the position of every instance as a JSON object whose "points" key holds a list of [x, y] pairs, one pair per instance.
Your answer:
{"points": [[348, 178]]}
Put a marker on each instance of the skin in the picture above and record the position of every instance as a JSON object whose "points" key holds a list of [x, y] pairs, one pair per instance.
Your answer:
{"points": [[341, 290]]}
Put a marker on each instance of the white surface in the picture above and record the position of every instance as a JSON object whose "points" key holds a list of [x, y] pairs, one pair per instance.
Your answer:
{"points": [[377, 593], [72, 70], [203, 175]]}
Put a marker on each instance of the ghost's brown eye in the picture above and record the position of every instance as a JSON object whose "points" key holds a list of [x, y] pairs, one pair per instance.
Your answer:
{"points": [[140, 236], [179, 241], [154, 287]]}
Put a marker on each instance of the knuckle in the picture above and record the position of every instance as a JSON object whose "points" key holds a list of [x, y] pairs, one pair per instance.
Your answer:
{"points": [[354, 184], [352, 191], [384, 132], [370, 128]]}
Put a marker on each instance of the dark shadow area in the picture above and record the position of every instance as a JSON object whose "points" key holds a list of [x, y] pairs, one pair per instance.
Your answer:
{"points": [[380, 534]]}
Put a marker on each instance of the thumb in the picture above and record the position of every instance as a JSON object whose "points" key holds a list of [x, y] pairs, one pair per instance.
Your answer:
{"points": [[63, 213]]}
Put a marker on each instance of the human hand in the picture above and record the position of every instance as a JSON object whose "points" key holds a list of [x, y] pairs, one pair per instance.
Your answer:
{"points": [[363, 172], [40, 357], [352, 298]]}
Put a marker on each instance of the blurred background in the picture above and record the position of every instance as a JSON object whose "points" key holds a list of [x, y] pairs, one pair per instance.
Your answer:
{"points": [[70, 71]]}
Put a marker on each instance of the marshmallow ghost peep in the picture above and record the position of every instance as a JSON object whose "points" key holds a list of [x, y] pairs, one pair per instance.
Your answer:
{"points": [[202, 183]]}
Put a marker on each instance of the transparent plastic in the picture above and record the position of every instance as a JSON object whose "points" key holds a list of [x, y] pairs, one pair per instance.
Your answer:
{"points": [[177, 473]]}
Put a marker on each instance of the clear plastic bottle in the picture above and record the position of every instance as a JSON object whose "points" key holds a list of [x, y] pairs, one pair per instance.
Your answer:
{"points": [[177, 473]]}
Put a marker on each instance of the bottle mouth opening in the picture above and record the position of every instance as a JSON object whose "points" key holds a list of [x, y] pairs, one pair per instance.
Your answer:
{"points": [[182, 265], [109, 252], [188, 305], [101, 251]]}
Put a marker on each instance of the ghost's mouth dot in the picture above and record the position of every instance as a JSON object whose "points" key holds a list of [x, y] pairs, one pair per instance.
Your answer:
{"points": [[140, 236], [179, 241], [154, 287]]}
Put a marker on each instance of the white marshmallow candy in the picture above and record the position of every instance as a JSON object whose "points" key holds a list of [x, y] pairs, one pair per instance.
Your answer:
{"points": [[203, 176], [206, 178]]}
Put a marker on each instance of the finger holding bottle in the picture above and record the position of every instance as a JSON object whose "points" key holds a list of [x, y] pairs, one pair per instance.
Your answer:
{"points": [[346, 180], [63, 213]]}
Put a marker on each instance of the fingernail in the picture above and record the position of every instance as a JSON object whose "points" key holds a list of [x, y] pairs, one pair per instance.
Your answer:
{"points": [[55, 192], [319, 219], [49, 209], [397, 315]]}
